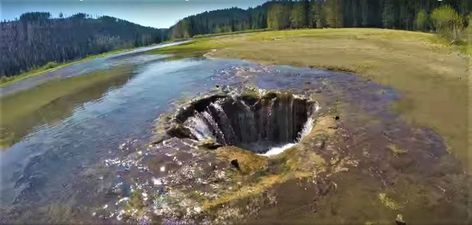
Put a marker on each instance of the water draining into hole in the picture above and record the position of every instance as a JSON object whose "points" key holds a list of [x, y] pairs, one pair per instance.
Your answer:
{"points": [[265, 124]]}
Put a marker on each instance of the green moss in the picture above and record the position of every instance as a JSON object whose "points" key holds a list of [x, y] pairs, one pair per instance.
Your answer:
{"points": [[396, 150], [197, 196], [389, 202], [261, 185], [249, 162], [251, 92], [135, 201]]}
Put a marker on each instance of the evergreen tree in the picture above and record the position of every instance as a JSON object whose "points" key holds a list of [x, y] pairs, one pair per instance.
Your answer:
{"points": [[421, 21], [388, 14], [278, 17], [80, 35], [447, 22], [319, 15], [283, 14], [365, 13], [38, 40], [306, 11], [334, 13], [298, 16]]}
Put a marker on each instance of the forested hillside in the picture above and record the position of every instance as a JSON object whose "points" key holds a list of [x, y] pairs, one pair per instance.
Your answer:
{"points": [[394, 14], [220, 21], [37, 39]]}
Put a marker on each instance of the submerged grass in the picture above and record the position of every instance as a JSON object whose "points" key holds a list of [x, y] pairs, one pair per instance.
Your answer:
{"points": [[430, 75], [18, 114], [258, 187], [388, 202], [249, 163], [396, 151]]}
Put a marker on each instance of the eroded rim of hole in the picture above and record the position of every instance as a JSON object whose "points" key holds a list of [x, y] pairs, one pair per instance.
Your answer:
{"points": [[264, 122]]}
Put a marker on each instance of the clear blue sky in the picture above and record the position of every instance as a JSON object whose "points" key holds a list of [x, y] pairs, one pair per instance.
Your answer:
{"points": [[154, 13]]}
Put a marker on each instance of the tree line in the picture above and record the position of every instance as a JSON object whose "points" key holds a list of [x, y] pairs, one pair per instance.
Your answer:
{"points": [[423, 15], [36, 39]]}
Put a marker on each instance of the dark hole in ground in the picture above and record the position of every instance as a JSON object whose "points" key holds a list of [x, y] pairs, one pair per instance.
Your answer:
{"points": [[250, 121]]}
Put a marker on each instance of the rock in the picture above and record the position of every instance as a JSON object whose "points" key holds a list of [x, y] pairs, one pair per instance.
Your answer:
{"points": [[247, 161], [210, 144], [235, 164], [179, 131], [320, 143], [399, 220], [158, 140], [120, 188], [226, 89]]}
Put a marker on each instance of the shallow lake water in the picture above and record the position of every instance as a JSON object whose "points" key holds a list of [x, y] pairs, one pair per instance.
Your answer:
{"points": [[42, 167]]}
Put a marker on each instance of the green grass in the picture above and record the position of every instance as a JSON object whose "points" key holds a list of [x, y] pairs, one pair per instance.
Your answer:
{"points": [[430, 74], [230, 33], [52, 101], [51, 66], [193, 48]]}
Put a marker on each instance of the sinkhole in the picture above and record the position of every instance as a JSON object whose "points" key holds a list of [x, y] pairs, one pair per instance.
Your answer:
{"points": [[257, 122]]}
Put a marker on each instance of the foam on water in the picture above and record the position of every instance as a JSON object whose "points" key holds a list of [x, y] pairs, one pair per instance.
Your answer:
{"points": [[279, 149]]}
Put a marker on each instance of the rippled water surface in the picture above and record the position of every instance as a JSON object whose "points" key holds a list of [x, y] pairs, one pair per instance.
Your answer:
{"points": [[46, 167]]}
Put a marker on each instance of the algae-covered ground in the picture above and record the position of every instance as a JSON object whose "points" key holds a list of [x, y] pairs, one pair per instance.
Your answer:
{"points": [[431, 76]]}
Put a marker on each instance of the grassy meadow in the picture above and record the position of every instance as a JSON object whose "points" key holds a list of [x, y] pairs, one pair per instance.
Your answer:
{"points": [[52, 66]]}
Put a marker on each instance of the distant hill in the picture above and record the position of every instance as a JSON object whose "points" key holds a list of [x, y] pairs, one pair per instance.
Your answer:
{"points": [[36, 39], [295, 14]]}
